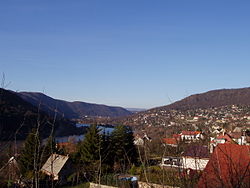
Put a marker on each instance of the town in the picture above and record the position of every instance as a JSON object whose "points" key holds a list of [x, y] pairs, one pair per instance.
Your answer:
{"points": [[169, 148], [124, 94]]}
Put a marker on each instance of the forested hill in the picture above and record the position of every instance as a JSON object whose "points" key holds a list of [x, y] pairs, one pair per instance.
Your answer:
{"points": [[18, 117], [72, 109], [214, 98]]}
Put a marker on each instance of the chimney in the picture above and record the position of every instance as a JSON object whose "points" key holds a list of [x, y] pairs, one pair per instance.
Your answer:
{"points": [[223, 132]]}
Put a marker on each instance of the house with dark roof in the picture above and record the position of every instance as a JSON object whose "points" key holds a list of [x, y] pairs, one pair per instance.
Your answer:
{"points": [[11, 171], [229, 166]]}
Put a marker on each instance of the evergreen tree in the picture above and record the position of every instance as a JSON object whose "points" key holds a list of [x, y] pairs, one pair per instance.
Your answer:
{"points": [[106, 153], [48, 149], [124, 150], [30, 155], [33, 156], [89, 151]]}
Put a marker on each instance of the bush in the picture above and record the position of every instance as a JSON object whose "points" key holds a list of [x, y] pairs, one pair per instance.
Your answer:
{"points": [[161, 176], [83, 185], [135, 170], [109, 179]]}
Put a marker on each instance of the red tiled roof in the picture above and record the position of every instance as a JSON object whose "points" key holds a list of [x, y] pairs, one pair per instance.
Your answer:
{"points": [[176, 136], [68, 146], [63, 144], [229, 166], [225, 137], [170, 141], [190, 132]]}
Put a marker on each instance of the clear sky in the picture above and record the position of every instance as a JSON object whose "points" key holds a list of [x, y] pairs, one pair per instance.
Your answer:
{"points": [[130, 53]]}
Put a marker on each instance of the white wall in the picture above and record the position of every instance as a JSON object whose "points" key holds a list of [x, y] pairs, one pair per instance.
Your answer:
{"points": [[194, 163]]}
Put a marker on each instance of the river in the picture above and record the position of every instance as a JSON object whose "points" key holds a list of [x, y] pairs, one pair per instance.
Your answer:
{"points": [[78, 138]]}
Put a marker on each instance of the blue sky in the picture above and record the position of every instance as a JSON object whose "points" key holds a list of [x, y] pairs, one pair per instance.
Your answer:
{"points": [[130, 53]]}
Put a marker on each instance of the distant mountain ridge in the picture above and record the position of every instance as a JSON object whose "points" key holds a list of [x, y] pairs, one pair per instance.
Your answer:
{"points": [[72, 110], [18, 117], [135, 110], [213, 98]]}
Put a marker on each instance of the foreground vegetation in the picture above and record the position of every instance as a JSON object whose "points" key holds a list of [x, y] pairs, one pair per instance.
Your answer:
{"points": [[97, 155]]}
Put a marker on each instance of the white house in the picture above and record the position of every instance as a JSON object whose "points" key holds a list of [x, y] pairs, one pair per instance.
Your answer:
{"points": [[191, 135], [175, 162], [198, 164], [196, 118], [194, 163], [195, 157], [138, 141], [221, 139]]}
